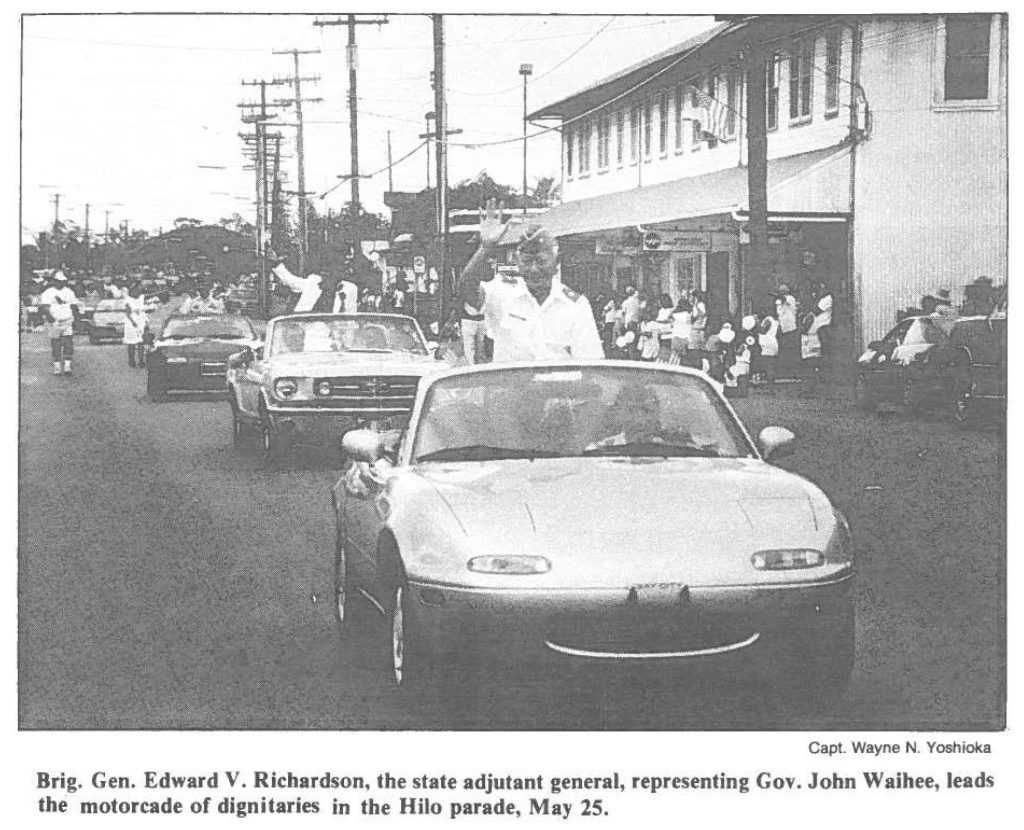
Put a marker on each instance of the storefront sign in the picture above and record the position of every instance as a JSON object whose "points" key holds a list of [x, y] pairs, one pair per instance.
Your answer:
{"points": [[685, 241], [605, 248]]}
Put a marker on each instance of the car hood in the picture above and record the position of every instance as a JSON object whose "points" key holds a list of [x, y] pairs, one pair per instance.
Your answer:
{"points": [[615, 521], [351, 363], [200, 347]]}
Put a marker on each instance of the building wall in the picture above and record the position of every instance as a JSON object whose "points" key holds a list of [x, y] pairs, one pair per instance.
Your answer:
{"points": [[918, 229], [694, 159]]}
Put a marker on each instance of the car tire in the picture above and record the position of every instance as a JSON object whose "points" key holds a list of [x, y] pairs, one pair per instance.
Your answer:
{"points": [[911, 396], [93, 340], [276, 447], [814, 665], [239, 428], [155, 388], [409, 668], [342, 578], [963, 402], [866, 402]]}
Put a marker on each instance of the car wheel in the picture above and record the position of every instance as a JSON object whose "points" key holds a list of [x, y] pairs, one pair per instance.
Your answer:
{"points": [[342, 582], [155, 387], [963, 401], [93, 340], [239, 428], [911, 396], [865, 399], [813, 665], [409, 668], [276, 447]]}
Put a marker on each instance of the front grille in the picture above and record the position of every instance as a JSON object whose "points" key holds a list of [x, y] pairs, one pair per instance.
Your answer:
{"points": [[375, 393], [213, 369]]}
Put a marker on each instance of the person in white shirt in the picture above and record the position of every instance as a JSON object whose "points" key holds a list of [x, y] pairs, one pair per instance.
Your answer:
{"points": [[59, 302], [135, 320], [789, 336], [316, 292], [533, 316]]}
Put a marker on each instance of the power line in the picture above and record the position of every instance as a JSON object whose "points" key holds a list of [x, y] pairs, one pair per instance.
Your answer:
{"points": [[562, 62], [384, 169]]}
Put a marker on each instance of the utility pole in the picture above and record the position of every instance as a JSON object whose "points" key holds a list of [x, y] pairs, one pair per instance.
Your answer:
{"points": [[87, 239], [441, 144], [526, 70], [758, 255], [259, 122], [391, 181], [56, 209], [296, 83], [351, 58], [428, 135]]}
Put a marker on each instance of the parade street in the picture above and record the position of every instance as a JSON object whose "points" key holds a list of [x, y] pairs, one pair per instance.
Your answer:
{"points": [[168, 580]]}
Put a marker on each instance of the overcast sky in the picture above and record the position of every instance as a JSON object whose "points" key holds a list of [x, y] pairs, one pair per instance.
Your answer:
{"points": [[120, 110]]}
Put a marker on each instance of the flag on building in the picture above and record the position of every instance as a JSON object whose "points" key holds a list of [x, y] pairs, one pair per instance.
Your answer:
{"points": [[712, 114]]}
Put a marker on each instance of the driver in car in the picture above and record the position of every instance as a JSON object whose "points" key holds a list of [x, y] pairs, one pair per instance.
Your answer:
{"points": [[634, 418]]}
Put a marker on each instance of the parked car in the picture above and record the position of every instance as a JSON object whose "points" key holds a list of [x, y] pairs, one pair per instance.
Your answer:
{"points": [[978, 362], [908, 367], [107, 322], [190, 353], [319, 375], [506, 520]]}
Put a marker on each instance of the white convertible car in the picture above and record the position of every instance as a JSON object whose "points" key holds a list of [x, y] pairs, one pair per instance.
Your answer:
{"points": [[320, 375], [602, 511]]}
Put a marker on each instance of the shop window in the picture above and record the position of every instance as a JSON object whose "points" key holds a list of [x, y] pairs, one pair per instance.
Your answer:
{"points": [[967, 56], [833, 45], [584, 147], [568, 138], [603, 133], [648, 116], [680, 97], [771, 72], [801, 80], [620, 135], [634, 132], [663, 122], [710, 86]]}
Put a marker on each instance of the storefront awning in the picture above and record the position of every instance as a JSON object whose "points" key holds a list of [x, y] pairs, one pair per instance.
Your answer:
{"points": [[816, 182]]}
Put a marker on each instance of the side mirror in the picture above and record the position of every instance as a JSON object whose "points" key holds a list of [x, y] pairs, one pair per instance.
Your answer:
{"points": [[362, 445], [775, 442], [432, 346], [257, 353], [875, 345]]}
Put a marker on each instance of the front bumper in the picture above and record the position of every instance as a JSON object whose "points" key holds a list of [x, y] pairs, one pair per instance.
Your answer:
{"points": [[610, 625], [324, 424], [193, 376]]}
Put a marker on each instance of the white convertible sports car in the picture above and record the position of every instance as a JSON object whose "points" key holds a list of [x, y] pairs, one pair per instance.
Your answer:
{"points": [[601, 511]]}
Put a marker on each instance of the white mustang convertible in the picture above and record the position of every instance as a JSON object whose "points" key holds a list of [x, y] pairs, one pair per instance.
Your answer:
{"points": [[596, 511]]}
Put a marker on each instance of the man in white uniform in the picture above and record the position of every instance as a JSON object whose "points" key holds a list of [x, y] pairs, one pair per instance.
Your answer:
{"points": [[311, 287], [58, 302], [532, 316]]}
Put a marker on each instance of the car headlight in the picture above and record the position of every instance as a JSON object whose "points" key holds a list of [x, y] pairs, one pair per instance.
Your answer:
{"points": [[509, 564], [285, 387], [176, 360], [323, 388], [785, 560]]}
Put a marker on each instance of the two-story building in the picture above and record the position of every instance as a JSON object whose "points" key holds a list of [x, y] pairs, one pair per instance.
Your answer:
{"points": [[887, 171]]}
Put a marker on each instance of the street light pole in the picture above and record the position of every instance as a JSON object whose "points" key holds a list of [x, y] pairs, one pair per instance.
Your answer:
{"points": [[526, 70]]}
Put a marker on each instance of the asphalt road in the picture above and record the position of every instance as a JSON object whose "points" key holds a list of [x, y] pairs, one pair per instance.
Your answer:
{"points": [[167, 580]]}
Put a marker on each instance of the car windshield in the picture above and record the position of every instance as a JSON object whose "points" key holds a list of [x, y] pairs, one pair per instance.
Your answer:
{"points": [[214, 327], [349, 333], [582, 411]]}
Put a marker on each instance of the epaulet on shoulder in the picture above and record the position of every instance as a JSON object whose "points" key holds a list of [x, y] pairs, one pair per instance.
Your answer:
{"points": [[572, 295]]}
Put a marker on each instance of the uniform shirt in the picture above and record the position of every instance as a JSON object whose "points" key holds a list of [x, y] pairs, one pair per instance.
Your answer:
{"points": [[308, 289], [59, 301], [786, 308], [523, 329], [631, 310]]}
